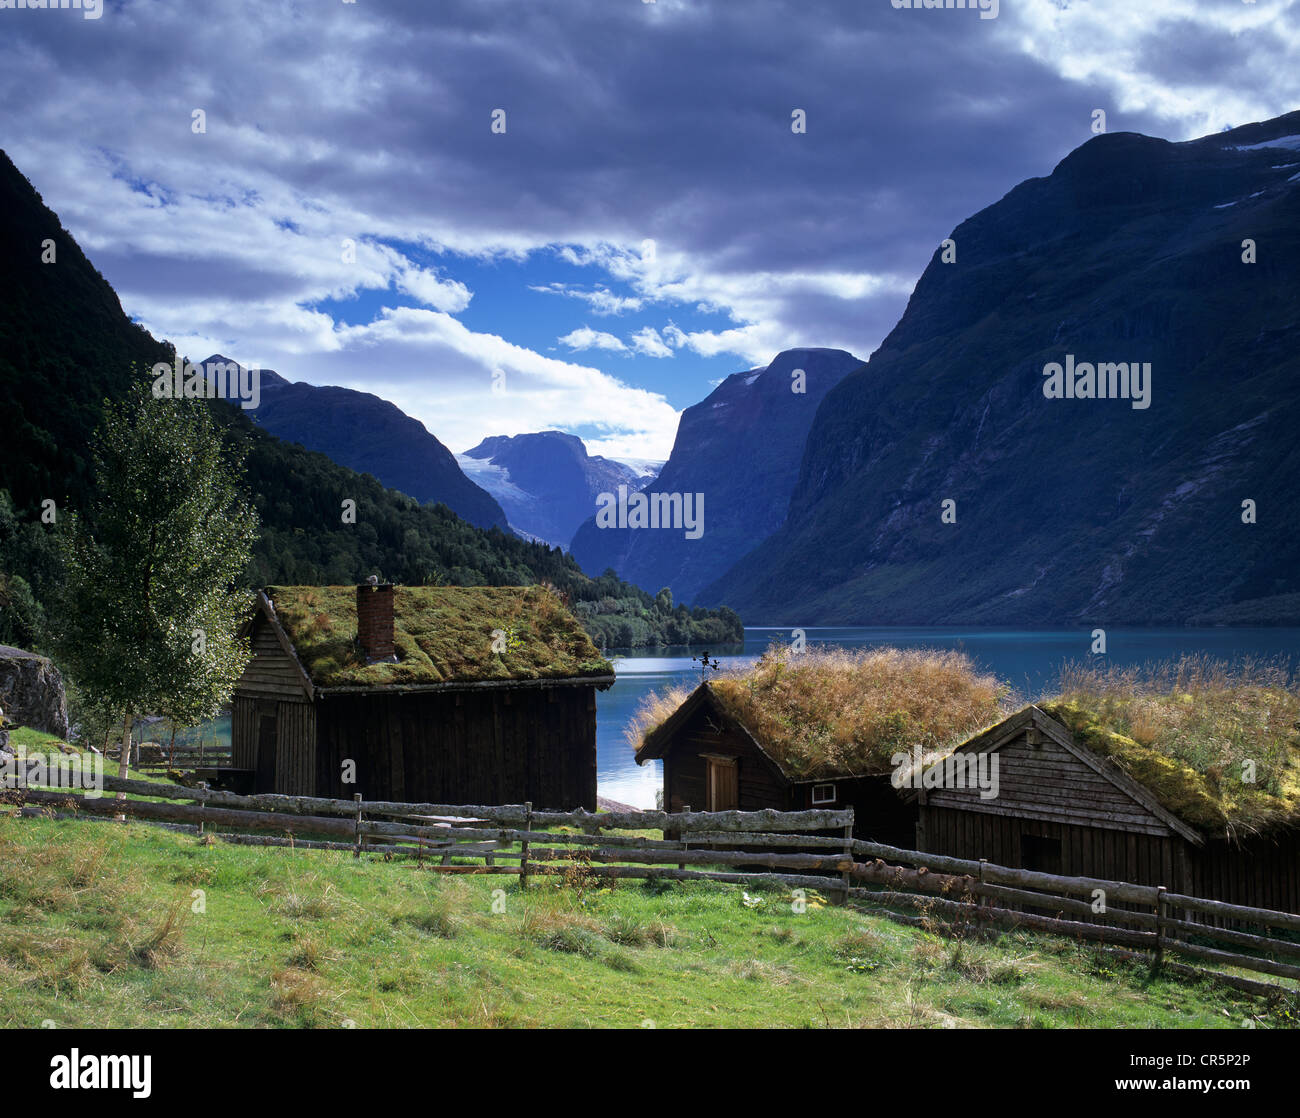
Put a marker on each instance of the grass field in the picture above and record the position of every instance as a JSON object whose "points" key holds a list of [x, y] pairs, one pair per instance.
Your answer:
{"points": [[111, 925]]}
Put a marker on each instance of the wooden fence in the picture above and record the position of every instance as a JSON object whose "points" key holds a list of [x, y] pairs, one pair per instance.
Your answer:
{"points": [[791, 849], [154, 758]]}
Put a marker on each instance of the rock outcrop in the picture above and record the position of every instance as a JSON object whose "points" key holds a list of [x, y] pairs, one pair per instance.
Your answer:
{"points": [[31, 692]]}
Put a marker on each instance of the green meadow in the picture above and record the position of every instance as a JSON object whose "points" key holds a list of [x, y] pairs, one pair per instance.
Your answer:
{"points": [[126, 925]]}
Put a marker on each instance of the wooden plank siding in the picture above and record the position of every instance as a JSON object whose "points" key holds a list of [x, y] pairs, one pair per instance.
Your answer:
{"points": [[295, 768], [271, 673], [1263, 871], [1046, 793], [468, 747], [1044, 782], [1085, 851], [243, 731]]}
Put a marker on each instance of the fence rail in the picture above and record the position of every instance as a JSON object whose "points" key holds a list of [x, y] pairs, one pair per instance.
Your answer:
{"points": [[785, 848]]}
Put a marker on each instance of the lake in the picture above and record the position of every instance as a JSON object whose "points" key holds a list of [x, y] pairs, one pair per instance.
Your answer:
{"points": [[1029, 660]]}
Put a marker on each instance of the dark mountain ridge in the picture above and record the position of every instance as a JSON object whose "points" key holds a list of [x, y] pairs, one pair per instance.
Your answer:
{"points": [[1070, 511], [368, 434]]}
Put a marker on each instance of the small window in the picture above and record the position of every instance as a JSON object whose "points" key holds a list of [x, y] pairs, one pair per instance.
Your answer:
{"points": [[823, 794]]}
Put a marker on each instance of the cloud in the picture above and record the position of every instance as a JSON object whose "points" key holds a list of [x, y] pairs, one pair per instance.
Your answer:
{"points": [[586, 338], [601, 300], [648, 343], [648, 143]]}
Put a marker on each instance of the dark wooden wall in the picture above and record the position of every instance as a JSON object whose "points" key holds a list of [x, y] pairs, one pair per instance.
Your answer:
{"points": [[879, 812], [1047, 793], [462, 747], [1105, 852], [294, 763], [1263, 872], [685, 771], [243, 731]]}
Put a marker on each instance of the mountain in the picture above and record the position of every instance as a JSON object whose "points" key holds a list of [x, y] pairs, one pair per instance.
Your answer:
{"points": [[740, 448], [546, 482], [371, 436], [1070, 511], [66, 346]]}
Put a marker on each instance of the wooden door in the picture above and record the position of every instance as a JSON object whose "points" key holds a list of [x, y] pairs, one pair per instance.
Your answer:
{"points": [[723, 784], [266, 753]]}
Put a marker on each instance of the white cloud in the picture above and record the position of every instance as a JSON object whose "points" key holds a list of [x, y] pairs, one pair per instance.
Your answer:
{"points": [[586, 338], [1101, 44], [442, 295], [601, 300], [648, 343]]}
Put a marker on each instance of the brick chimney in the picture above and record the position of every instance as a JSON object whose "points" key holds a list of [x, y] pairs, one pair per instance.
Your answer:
{"points": [[375, 621]]}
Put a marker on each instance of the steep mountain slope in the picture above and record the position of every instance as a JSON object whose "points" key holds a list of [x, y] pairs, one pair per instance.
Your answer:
{"points": [[740, 447], [1070, 510], [367, 434], [64, 346], [546, 482]]}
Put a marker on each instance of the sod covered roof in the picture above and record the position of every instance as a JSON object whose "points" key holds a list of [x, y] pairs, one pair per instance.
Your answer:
{"points": [[1225, 762], [833, 713], [442, 634]]}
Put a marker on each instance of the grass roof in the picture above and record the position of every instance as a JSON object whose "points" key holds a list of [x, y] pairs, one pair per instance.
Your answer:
{"points": [[443, 634], [1218, 746], [832, 712]]}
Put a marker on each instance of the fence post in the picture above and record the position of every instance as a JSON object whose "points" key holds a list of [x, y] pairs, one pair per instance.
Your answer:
{"points": [[356, 799], [1160, 929], [523, 860], [203, 804], [848, 854], [983, 901], [686, 809]]}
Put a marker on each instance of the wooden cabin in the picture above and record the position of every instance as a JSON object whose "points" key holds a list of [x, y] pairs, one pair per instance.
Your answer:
{"points": [[466, 695], [712, 762], [1061, 808]]}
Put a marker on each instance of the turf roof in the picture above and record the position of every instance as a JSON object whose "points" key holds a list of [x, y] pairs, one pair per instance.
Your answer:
{"points": [[443, 634], [1197, 751], [833, 713]]}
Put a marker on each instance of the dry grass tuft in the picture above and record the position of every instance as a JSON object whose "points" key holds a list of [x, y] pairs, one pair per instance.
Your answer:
{"points": [[162, 943], [299, 996]]}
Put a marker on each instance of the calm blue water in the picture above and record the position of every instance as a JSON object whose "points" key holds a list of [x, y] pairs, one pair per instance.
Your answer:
{"points": [[1029, 660]]}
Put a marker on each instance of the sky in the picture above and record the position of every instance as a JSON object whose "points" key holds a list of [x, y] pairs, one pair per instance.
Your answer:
{"points": [[519, 215]]}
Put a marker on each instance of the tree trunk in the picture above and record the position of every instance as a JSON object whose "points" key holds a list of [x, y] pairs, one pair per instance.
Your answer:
{"points": [[125, 754]]}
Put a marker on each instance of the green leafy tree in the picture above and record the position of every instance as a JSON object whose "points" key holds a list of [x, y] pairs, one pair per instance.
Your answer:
{"points": [[150, 613]]}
